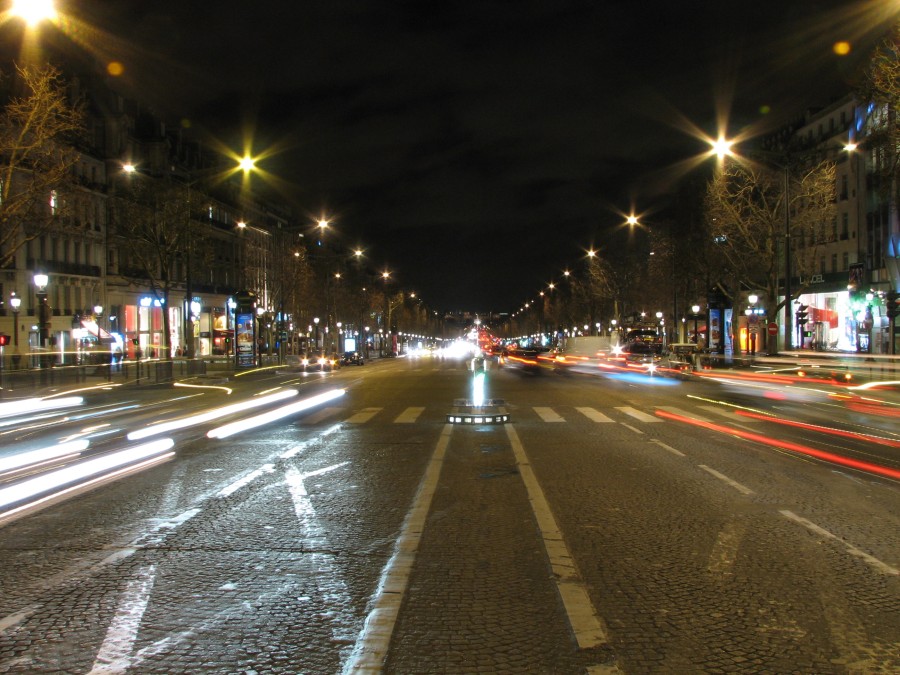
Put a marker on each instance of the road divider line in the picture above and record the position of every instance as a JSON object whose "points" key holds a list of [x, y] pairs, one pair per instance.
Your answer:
{"points": [[115, 652], [371, 646], [872, 560], [586, 625], [674, 451], [724, 551], [722, 477]]}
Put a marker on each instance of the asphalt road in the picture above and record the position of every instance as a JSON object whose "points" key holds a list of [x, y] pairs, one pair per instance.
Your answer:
{"points": [[633, 524]]}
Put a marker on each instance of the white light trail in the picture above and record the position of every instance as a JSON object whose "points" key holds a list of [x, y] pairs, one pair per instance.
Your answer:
{"points": [[87, 469], [30, 405], [271, 416], [42, 455], [215, 413]]}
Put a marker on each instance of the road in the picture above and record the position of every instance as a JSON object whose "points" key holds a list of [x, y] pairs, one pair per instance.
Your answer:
{"points": [[612, 525]]}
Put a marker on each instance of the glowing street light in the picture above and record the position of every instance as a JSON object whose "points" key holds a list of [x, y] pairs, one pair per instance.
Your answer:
{"points": [[32, 12]]}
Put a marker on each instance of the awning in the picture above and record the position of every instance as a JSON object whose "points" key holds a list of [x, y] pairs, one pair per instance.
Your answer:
{"points": [[817, 315], [91, 327]]}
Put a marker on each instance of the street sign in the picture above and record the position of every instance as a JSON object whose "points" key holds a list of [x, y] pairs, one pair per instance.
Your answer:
{"points": [[773, 328]]}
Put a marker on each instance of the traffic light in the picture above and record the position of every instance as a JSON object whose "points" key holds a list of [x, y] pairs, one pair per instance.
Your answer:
{"points": [[802, 315], [4, 339], [893, 304]]}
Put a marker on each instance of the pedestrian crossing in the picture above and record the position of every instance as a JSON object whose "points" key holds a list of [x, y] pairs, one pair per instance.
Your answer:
{"points": [[529, 414]]}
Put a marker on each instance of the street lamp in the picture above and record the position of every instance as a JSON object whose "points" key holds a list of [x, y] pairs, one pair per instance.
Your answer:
{"points": [[695, 312], [98, 312], [316, 321], [15, 302], [40, 284]]}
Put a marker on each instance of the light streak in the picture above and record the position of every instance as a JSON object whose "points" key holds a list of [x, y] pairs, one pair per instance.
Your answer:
{"points": [[787, 445], [869, 438], [88, 469], [216, 413], [42, 455], [259, 420], [30, 405], [186, 385]]}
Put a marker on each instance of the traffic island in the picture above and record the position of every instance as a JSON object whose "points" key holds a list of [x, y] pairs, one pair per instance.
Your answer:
{"points": [[490, 411]]}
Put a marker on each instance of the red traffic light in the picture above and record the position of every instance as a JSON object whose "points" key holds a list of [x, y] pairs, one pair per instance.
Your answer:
{"points": [[4, 339]]}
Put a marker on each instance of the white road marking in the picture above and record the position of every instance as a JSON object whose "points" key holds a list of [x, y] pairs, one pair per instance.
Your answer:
{"points": [[684, 413], [872, 560], [638, 414], [667, 447], [319, 561], [733, 483], [724, 551], [322, 414], [409, 415], [115, 652], [595, 415], [586, 625], [372, 644], [246, 480], [729, 413], [363, 415], [548, 414]]}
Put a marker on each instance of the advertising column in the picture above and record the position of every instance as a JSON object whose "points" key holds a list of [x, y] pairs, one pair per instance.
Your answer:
{"points": [[244, 330]]}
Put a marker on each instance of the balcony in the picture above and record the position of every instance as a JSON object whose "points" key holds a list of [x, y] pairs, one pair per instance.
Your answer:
{"points": [[67, 268]]}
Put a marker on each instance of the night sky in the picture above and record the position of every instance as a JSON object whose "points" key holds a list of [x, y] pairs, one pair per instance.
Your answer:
{"points": [[475, 149]]}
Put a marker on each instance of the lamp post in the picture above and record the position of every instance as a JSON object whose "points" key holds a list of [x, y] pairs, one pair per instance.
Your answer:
{"points": [[40, 284], [15, 302], [316, 322], [98, 312], [753, 322], [695, 312]]}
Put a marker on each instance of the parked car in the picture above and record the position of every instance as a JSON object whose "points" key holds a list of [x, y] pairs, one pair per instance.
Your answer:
{"points": [[352, 359]]}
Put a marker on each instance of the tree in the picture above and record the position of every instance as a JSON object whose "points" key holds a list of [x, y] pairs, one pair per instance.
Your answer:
{"points": [[746, 220], [38, 132], [881, 86], [152, 221]]}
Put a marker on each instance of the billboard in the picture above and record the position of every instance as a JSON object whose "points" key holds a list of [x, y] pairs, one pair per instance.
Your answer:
{"points": [[245, 344]]}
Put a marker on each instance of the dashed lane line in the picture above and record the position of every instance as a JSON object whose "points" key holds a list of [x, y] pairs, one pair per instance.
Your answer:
{"points": [[586, 624], [870, 559], [722, 477], [371, 646]]}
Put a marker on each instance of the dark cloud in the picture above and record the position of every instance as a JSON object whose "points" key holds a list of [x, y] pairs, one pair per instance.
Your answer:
{"points": [[476, 147]]}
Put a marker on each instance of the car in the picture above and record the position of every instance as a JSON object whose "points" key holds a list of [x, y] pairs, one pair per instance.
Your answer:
{"points": [[352, 359]]}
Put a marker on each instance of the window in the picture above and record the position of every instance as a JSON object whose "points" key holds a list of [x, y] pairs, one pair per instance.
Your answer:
{"points": [[845, 226], [845, 263], [843, 187], [834, 262], [54, 203], [822, 269]]}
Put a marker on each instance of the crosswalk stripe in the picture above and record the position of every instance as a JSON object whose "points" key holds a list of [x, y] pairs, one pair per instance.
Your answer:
{"points": [[730, 414], [364, 415], [548, 414], [683, 413], [409, 415], [637, 414], [594, 415], [320, 415]]}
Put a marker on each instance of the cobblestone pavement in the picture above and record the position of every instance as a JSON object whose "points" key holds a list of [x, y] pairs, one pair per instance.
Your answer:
{"points": [[372, 528]]}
